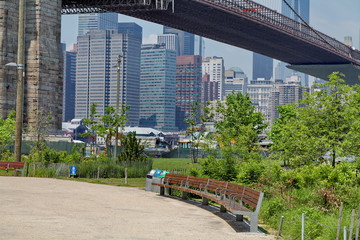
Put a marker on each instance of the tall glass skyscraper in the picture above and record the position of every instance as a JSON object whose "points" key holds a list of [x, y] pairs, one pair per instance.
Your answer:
{"points": [[262, 66], [171, 42], [96, 78], [97, 21], [69, 85], [186, 40], [302, 7], [158, 87]]}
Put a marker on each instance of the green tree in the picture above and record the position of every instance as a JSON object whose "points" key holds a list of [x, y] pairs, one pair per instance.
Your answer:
{"points": [[90, 123], [110, 124], [7, 131], [196, 130], [239, 125], [39, 130], [237, 131], [327, 123], [133, 149]]}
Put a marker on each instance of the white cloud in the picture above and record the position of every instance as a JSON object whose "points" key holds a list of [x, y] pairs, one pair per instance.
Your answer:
{"points": [[151, 39]]}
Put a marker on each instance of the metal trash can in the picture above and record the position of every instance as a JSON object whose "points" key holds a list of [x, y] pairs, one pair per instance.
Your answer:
{"points": [[158, 178], [149, 179]]}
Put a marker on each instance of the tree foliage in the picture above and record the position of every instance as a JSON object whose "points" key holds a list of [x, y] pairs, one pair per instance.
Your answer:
{"points": [[196, 129], [110, 122], [133, 149], [236, 133], [7, 130], [239, 125], [327, 123]]}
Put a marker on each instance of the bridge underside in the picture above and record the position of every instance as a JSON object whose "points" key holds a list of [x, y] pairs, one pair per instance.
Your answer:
{"points": [[351, 72], [217, 22]]}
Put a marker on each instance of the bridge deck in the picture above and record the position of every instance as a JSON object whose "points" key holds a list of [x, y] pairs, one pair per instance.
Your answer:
{"points": [[263, 33]]}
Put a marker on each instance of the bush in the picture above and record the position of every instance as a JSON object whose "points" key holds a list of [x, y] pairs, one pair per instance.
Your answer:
{"points": [[250, 172], [219, 168]]}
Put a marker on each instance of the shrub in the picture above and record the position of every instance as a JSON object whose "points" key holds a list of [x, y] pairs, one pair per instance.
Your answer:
{"points": [[250, 172]]}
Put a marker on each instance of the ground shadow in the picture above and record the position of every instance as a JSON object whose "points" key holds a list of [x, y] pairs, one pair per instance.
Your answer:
{"points": [[238, 226]]}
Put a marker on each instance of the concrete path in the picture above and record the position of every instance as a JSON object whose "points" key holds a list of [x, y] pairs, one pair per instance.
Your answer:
{"points": [[40, 208]]}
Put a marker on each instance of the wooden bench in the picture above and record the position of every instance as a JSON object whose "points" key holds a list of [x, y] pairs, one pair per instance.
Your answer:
{"points": [[237, 199], [13, 166]]}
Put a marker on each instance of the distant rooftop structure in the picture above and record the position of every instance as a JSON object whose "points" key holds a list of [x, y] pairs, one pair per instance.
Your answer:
{"points": [[143, 131]]}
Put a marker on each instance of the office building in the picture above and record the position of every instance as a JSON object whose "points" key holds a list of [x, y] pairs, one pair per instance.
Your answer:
{"points": [[69, 85], [158, 87], [209, 90], [188, 87], [97, 21], [302, 8], [186, 40], [284, 93], [259, 91], [235, 81], [348, 41], [214, 67], [96, 72], [171, 41], [131, 29], [262, 66]]}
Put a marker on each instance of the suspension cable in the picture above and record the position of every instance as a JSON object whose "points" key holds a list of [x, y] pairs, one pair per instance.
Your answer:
{"points": [[303, 21]]}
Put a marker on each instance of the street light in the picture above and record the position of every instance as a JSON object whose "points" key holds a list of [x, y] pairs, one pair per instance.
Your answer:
{"points": [[20, 81], [19, 108], [118, 87], [12, 64]]}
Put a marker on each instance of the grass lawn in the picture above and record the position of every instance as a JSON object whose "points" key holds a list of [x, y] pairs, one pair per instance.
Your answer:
{"points": [[173, 163]]}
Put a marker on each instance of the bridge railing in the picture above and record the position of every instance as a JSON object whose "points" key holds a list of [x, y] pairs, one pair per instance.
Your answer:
{"points": [[267, 16], [99, 6]]}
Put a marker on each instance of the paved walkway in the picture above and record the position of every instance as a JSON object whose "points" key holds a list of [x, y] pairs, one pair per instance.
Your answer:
{"points": [[40, 208]]}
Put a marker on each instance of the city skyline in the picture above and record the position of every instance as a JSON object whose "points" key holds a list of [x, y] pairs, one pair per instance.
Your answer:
{"points": [[332, 18]]}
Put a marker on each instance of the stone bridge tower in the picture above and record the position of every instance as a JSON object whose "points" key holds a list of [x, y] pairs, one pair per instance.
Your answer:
{"points": [[43, 64]]}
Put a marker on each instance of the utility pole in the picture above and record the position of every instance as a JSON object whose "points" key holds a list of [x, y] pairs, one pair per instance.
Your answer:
{"points": [[118, 87], [20, 81]]}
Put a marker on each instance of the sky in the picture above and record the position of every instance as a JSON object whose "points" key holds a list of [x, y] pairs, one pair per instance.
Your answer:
{"points": [[332, 17]]}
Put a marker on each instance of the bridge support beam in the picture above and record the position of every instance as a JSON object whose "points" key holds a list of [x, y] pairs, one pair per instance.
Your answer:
{"points": [[43, 61]]}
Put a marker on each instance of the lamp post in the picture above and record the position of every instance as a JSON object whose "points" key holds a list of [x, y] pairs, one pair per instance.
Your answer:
{"points": [[20, 81], [118, 88]]}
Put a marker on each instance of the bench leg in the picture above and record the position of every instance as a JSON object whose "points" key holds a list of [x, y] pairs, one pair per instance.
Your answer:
{"points": [[205, 201], [239, 218], [168, 191], [162, 191], [222, 209], [254, 224], [184, 195]]}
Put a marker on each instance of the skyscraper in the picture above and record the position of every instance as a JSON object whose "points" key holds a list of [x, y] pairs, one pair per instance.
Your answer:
{"points": [[235, 81], [158, 87], [214, 67], [171, 41], [186, 40], [301, 7], [209, 90], [259, 91], [262, 66], [188, 87], [69, 84], [97, 21], [348, 41], [284, 93], [96, 78]]}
